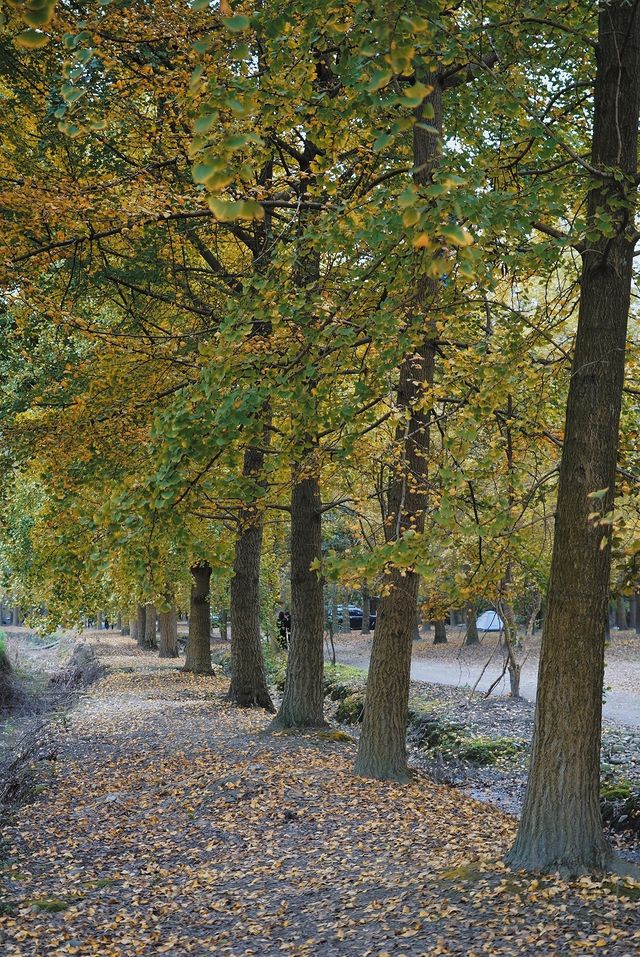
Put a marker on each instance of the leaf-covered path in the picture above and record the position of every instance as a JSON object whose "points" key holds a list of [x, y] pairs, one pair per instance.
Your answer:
{"points": [[177, 824]]}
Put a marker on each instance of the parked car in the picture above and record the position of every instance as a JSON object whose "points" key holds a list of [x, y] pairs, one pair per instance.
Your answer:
{"points": [[355, 617]]}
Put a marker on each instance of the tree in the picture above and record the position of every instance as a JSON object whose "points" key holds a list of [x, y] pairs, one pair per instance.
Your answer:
{"points": [[198, 656], [561, 825]]}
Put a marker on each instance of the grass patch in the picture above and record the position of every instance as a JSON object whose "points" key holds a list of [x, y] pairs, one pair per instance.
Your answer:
{"points": [[51, 905]]}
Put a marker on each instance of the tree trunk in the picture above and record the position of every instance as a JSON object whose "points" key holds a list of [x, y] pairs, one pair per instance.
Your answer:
{"points": [[382, 749], [302, 701], [621, 613], [637, 602], [125, 625], [440, 632], [224, 624], [366, 610], [150, 621], [133, 628], [471, 637], [248, 678], [633, 612], [561, 825], [15, 616], [168, 644], [142, 624], [198, 655]]}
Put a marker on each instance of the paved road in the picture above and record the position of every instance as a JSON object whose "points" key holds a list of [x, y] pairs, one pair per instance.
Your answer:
{"points": [[619, 706]]}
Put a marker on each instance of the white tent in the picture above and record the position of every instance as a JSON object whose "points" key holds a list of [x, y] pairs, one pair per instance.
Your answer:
{"points": [[489, 621]]}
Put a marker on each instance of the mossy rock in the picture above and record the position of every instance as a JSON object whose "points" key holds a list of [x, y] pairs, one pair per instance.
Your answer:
{"points": [[484, 751], [351, 709], [620, 805]]}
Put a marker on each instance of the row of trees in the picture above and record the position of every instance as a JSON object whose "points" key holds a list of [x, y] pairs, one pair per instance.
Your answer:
{"points": [[267, 269]]}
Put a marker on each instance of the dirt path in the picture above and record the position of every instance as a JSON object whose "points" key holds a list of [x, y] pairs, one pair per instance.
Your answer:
{"points": [[176, 824], [461, 667]]}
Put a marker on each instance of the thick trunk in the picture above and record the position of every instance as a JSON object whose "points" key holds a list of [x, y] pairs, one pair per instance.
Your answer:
{"points": [[303, 696], [150, 621], [440, 632], [471, 637], [366, 610], [15, 616], [248, 679], [621, 613], [198, 655], [133, 628], [125, 625], [141, 627], [561, 825], [224, 624], [382, 750], [637, 604], [168, 644]]}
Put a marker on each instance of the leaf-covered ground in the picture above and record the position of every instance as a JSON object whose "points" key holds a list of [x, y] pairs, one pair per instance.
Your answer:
{"points": [[176, 824]]}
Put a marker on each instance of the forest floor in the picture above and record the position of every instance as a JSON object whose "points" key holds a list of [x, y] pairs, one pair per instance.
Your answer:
{"points": [[173, 823]]}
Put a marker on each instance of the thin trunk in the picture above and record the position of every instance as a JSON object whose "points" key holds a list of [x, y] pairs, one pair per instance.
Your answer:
{"points": [[168, 643], [561, 825], [142, 624], [471, 637], [621, 613], [150, 621], [535, 611], [248, 678], [223, 616], [366, 610], [302, 702], [633, 612], [382, 749], [440, 632], [509, 642], [133, 628], [198, 655]]}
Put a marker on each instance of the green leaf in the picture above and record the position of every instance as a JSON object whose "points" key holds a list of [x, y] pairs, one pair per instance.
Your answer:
{"points": [[457, 235], [206, 123], [236, 24], [227, 211], [379, 79], [32, 39]]}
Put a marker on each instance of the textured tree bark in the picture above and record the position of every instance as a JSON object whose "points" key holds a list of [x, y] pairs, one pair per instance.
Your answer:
{"points": [[621, 613], [302, 701], [198, 655], [142, 624], [472, 637], [633, 612], [561, 825], [133, 628], [637, 604], [248, 678], [168, 643], [150, 622], [440, 632], [382, 749], [366, 610]]}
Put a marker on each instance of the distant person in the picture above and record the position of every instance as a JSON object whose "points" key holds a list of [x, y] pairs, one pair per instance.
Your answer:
{"points": [[287, 625]]}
